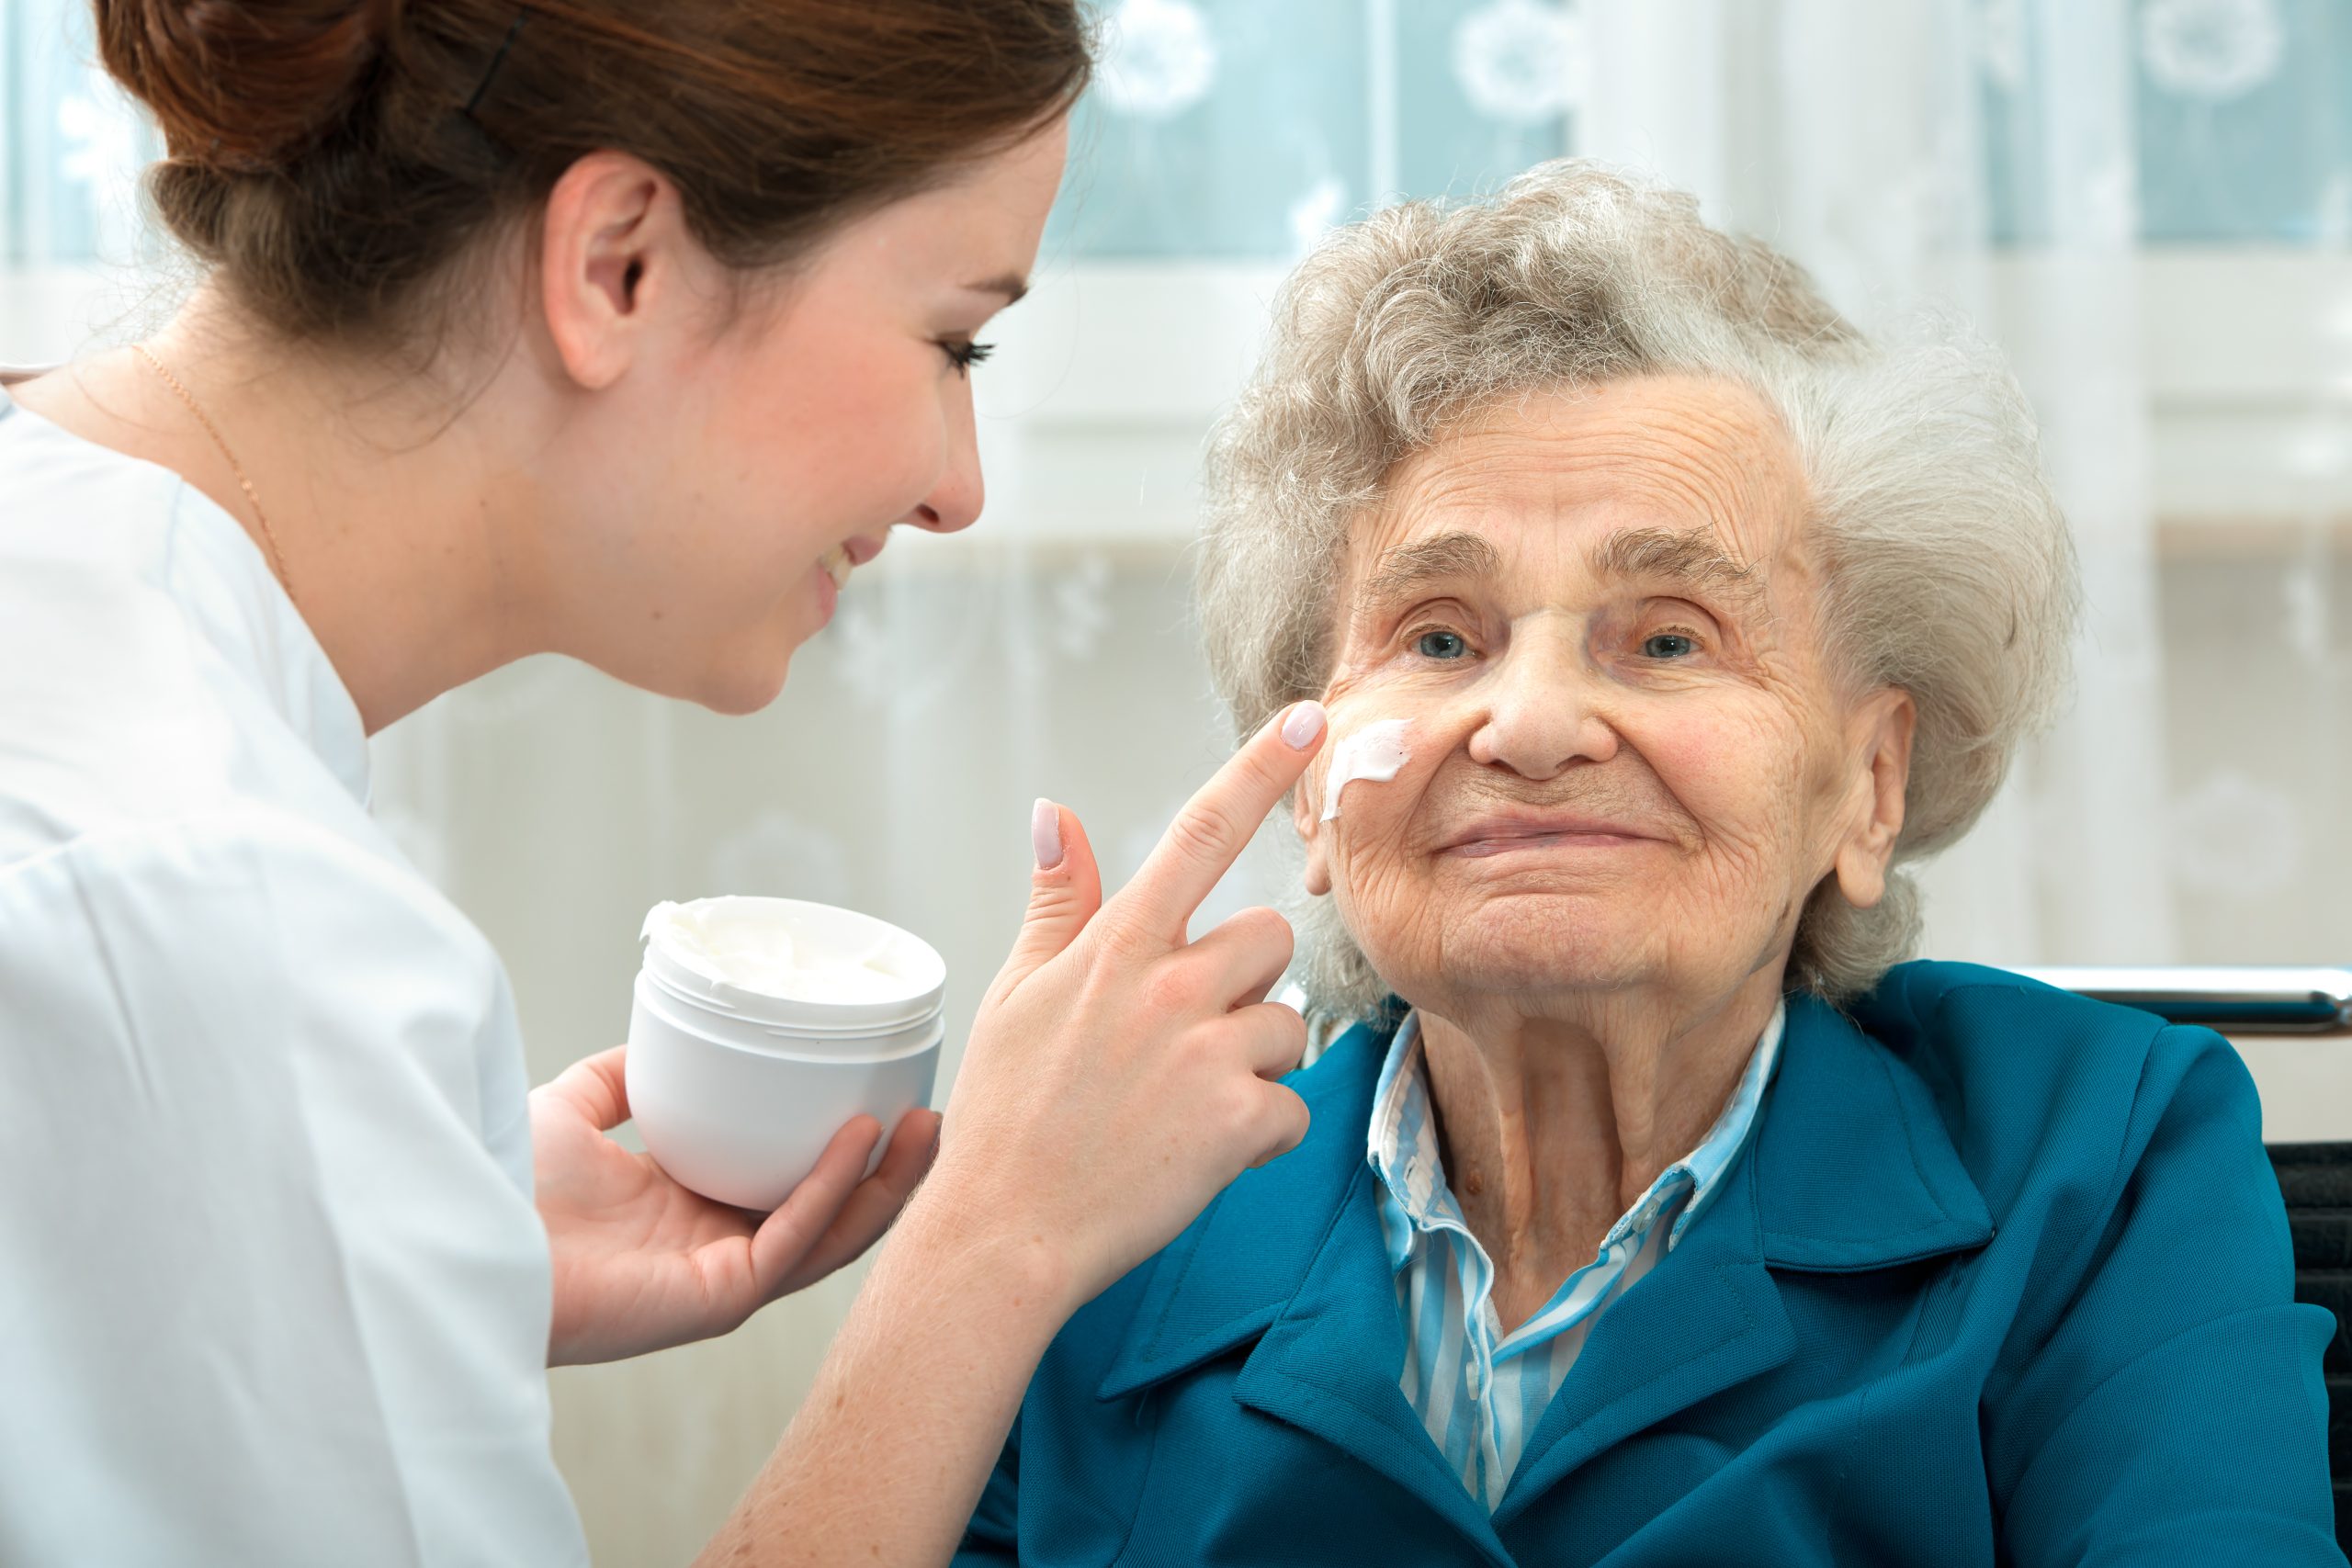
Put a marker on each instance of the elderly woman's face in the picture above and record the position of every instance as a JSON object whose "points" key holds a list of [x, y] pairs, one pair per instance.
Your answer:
{"points": [[1631, 758]]}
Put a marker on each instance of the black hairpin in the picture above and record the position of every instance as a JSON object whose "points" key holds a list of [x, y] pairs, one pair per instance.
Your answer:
{"points": [[489, 71]]}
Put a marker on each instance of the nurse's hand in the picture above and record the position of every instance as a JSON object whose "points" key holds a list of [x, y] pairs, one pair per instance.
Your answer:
{"points": [[1120, 1075], [642, 1264]]}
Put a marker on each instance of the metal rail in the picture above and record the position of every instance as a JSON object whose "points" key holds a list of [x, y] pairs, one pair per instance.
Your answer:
{"points": [[2246, 999]]}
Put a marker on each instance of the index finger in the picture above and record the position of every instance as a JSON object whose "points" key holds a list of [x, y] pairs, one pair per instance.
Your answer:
{"points": [[1209, 834]]}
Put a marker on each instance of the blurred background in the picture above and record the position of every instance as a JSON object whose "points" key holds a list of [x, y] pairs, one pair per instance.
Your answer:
{"points": [[2149, 202]]}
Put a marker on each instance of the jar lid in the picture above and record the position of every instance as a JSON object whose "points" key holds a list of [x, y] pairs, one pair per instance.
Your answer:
{"points": [[805, 968]]}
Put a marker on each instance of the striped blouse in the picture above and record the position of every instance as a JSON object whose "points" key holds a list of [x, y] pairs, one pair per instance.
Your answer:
{"points": [[1480, 1391]]}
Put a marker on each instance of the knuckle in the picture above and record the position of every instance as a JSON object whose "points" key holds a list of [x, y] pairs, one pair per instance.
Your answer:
{"points": [[1290, 1118], [1117, 940], [1050, 898], [1203, 829], [1278, 1044], [1266, 929], [1097, 988], [1174, 989], [1236, 1102]]}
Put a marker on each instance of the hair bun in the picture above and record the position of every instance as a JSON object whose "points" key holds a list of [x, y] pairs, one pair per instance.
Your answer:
{"points": [[244, 85]]}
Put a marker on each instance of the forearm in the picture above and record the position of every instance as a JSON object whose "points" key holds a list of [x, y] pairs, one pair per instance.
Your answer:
{"points": [[910, 1411]]}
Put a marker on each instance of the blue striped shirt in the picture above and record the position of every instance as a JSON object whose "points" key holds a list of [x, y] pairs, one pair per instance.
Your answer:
{"points": [[1479, 1389]]}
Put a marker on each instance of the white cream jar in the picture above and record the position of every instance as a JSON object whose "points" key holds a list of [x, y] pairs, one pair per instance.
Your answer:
{"points": [[760, 1025]]}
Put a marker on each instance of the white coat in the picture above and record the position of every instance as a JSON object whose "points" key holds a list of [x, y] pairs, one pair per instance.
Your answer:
{"points": [[272, 1289]]}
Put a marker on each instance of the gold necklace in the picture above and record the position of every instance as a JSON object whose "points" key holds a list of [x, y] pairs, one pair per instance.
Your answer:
{"points": [[269, 537]]}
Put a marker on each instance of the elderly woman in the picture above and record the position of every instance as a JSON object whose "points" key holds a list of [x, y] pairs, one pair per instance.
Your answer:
{"points": [[1649, 1216]]}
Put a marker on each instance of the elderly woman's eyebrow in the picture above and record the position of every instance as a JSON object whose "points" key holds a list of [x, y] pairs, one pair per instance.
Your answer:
{"points": [[1411, 569], [1690, 558]]}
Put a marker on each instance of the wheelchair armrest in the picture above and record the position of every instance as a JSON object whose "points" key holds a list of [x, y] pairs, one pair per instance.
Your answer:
{"points": [[2236, 1000]]}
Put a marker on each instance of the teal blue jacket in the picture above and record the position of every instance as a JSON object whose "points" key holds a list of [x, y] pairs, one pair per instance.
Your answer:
{"points": [[2003, 1277]]}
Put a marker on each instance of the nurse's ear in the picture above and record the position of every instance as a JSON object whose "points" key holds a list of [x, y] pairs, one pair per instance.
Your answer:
{"points": [[616, 264], [1306, 806]]}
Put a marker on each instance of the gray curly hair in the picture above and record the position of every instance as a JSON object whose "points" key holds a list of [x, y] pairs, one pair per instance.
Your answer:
{"points": [[1949, 571]]}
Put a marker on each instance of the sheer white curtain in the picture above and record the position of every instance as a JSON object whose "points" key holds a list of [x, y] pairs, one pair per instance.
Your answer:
{"points": [[1849, 134]]}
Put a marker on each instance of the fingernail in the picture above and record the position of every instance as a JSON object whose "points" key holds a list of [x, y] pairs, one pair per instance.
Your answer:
{"points": [[1303, 724], [1045, 834]]}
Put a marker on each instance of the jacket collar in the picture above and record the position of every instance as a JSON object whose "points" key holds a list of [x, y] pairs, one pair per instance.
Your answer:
{"points": [[1851, 1169]]}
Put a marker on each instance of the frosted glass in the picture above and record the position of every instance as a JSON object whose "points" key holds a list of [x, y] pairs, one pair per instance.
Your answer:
{"points": [[2243, 112], [71, 143], [1241, 130]]}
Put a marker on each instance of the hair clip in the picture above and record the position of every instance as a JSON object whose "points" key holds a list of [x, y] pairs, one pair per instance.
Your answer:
{"points": [[489, 71]]}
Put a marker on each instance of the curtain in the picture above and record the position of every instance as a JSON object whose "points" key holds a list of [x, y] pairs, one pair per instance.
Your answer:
{"points": [[2146, 202]]}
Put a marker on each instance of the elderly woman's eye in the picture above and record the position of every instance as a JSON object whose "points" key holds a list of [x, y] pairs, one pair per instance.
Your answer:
{"points": [[1441, 645], [1668, 645]]}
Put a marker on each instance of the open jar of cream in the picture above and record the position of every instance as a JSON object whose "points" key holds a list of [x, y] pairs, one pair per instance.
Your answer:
{"points": [[760, 1025]]}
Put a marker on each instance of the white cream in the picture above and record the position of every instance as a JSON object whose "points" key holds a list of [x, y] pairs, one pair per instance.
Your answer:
{"points": [[1373, 752], [746, 943]]}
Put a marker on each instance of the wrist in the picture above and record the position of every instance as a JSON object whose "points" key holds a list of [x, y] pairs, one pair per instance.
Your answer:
{"points": [[958, 1231]]}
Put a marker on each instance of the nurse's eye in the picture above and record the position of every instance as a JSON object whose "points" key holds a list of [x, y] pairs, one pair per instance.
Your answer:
{"points": [[1669, 646], [1437, 643], [964, 356]]}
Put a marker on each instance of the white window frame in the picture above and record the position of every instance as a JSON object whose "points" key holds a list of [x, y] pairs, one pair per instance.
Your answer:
{"points": [[1093, 415]]}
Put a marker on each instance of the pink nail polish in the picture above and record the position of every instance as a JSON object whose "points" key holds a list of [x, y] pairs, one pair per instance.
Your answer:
{"points": [[1304, 724], [1045, 834]]}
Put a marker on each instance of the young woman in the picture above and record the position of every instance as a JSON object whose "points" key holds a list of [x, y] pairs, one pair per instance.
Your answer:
{"points": [[627, 331]]}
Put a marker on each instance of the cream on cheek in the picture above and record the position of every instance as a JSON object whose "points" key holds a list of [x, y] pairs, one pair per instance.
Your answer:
{"points": [[1379, 765], [1371, 752]]}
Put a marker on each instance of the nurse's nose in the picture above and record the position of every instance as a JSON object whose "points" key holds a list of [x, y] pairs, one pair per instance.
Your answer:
{"points": [[953, 504]]}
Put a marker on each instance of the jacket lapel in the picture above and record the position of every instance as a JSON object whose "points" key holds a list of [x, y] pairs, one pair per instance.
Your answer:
{"points": [[1850, 1169], [1291, 1256], [1708, 1316], [1330, 1364]]}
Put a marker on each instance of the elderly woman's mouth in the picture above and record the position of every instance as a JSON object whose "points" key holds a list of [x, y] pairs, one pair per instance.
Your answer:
{"points": [[1521, 832]]}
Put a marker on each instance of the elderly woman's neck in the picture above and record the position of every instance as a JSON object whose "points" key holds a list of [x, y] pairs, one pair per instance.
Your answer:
{"points": [[1553, 1126]]}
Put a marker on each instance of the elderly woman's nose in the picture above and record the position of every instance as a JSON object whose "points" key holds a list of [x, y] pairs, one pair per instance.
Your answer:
{"points": [[1540, 716]]}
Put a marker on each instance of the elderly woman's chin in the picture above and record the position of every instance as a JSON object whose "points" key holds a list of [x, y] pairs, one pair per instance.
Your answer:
{"points": [[1541, 951]]}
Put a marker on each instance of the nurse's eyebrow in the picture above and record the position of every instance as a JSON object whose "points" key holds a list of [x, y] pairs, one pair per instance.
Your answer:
{"points": [[1012, 287], [1411, 571], [1690, 558]]}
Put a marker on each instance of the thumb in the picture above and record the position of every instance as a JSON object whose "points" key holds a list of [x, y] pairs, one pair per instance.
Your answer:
{"points": [[1064, 892]]}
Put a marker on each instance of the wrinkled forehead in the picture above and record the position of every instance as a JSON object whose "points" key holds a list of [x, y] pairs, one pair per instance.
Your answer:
{"points": [[1689, 479]]}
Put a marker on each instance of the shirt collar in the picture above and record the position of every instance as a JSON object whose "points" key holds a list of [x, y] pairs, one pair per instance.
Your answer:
{"points": [[1401, 1146], [257, 627]]}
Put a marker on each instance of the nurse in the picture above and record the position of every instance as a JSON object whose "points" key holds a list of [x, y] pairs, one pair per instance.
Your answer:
{"points": [[627, 331]]}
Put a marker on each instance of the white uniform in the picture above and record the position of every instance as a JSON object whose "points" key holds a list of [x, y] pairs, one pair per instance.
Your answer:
{"points": [[272, 1289]]}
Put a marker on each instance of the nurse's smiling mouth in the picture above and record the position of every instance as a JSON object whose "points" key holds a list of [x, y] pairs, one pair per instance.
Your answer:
{"points": [[1523, 831], [832, 570]]}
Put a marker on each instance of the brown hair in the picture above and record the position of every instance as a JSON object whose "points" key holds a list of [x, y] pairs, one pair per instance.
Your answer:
{"points": [[331, 160]]}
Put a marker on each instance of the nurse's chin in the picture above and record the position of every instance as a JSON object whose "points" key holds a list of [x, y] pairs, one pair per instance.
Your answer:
{"points": [[746, 689], [741, 672]]}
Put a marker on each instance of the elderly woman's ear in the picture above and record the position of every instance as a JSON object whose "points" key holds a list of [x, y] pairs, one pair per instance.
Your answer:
{"points": [[1880, 727], [1305, 800]]}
